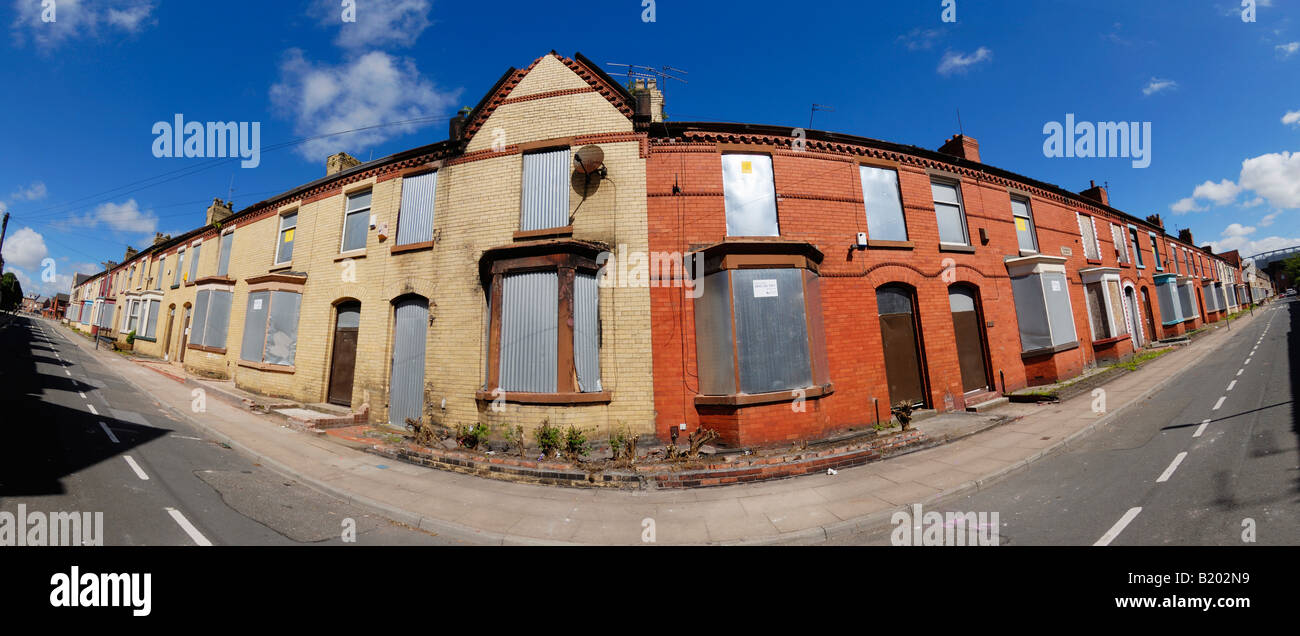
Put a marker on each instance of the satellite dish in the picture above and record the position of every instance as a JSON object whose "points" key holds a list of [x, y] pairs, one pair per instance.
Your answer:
{"points": [[589, 160]]}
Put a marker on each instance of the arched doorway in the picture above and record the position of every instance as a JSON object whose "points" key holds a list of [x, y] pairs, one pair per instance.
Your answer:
{"points": [[184, 337], [406, 382], [1150, 317], [968, 335], [343, 359], [901, 344], [167, 335], [1134, 317]]}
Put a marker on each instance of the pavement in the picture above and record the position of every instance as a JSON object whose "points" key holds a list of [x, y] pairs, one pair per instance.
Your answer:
{"points": [[845, 507]]}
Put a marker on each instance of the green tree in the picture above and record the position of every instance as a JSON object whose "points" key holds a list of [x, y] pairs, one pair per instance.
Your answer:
{"points": [[11, 292], [1291, 269]]}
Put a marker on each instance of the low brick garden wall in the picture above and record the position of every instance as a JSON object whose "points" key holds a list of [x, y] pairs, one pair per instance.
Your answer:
{"points": [[707, 471]]}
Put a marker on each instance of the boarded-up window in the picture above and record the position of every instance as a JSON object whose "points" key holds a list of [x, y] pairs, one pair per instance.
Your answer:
{"points": [[713, 336], [1121, 245], [948, 212], [1088, 234], [1043, 311], [211, 318], [1137, 246], [194, 262], [529, 314], [271, 327], [545, 195], [884, 204], [771, 330], [1187, 296], [223, 262], [1093, 292], [1116, 307], [151, 324], [180, 264], [749, 192], [415, 221], [157, 281], [586, 332]]}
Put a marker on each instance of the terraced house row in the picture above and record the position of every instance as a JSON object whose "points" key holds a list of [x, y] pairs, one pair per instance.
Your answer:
{"points": [[568, 255]]}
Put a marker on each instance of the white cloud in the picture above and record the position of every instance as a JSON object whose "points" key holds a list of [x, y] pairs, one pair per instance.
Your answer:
{"points": [[36, 284], [1288, 49], [1221, 193], [1183, 206], [1249, 247], [1156, 85], [120, 217], [1291, 117], [919, 39], [1268, 219], [25, 248], [373, 89], [1274, 176], [76, 18], [956, 62], [33, 192], [378, 22], [1237, 229]]}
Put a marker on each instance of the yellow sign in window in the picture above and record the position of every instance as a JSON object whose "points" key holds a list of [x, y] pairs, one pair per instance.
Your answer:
{"points": [[1022, 225], [747, 167], [288, 236]]}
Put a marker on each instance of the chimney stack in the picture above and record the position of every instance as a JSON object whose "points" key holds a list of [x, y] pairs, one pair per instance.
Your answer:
{"points": [[1155, 220], [1096, 193], [159, 238], [456, 127], [962, 146], [130, 251], [1185, 235], [217, 212], [649, 99], [340, 162]]}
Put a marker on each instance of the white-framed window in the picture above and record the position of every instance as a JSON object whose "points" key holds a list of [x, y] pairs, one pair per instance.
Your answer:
{"points": [[1137, 247], [1101, 292], [749, 194], [180, 264], [415, 218], [224, 246], [284, 239], [1121, 243], [1024, 218], [884, 204], [195, 250], [1088, 235], [1155, 252], [949, 213], [356, 222], [158, 276]]}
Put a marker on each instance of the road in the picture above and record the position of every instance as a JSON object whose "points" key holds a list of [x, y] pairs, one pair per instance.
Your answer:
{"points": [[77, 437], [1203, 461]]}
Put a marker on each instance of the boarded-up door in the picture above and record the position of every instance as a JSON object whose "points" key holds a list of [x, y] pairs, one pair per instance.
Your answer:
{"points": [[406, 385], [968, 331], [345, 353], [898, 336]]}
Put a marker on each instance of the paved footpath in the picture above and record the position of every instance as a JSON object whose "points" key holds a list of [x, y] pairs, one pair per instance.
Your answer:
{"points": [[810, 509]]}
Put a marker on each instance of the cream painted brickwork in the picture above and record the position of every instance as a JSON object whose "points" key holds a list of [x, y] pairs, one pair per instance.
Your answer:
{"points": [[477, 208]]}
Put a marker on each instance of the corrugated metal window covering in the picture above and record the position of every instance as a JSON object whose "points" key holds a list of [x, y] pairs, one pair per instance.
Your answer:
{"points": [[1211, 305], [415, 222], [180, 265], [200, 317], [227, 242], [713, 342], [1031, 313], [218, 322], [1167, 294], [250, 348], [1188, 297], [749, 195], [586, 332], [529, 313], [194, 262], [545, 197], [356, 222], [162, 267], [1059, 312], [106, 316], [406, 383], [771, 330], [282, 328]]}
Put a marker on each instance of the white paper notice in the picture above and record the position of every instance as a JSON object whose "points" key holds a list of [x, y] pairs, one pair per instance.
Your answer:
{"points": [[1056, 285], [765, 288], [257, 303]]}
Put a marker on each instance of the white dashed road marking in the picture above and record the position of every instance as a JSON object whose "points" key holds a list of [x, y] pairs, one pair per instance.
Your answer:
{"points": [[1219, 403], [1169, 472], [1232, 384], [188, 527], [136, 467], [1118, 527], [109, 432], [92, 409], [1201, 429]]}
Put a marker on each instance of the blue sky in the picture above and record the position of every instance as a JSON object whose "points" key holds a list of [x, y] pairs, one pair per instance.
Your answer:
{"points": [[78, 174]]}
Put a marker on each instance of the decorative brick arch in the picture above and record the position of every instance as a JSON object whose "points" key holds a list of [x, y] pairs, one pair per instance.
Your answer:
{"points": [[410, 285]]}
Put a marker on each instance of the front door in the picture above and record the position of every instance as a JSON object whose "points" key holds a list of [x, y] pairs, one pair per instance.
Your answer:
{"points": [[968, 331], [167, 335], [406, 384], [1133, 316], [898, 334], [345, 353], [1151, 318], [184, 337]]}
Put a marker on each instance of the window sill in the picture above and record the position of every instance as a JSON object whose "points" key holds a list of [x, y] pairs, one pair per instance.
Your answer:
{"points": [[262, 366], [144, 339], [1092, 261], [410, 247], [1048, 350], [1029, 252], [525, 235], [1123, 264], [774, 397], [1109, 341], [343, 256], [1191, 319], [890, 245], [954, 247], [559, 399], [280, 267], [206, 349], [176, 286]]}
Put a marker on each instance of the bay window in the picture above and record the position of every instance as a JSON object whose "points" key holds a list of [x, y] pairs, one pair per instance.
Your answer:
{"points": [[211, 319], [1041, 294], [270, 339], [1105, 307]]}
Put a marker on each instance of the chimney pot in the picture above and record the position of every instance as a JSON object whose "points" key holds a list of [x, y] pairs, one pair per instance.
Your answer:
{"points": [[337, 163]]}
